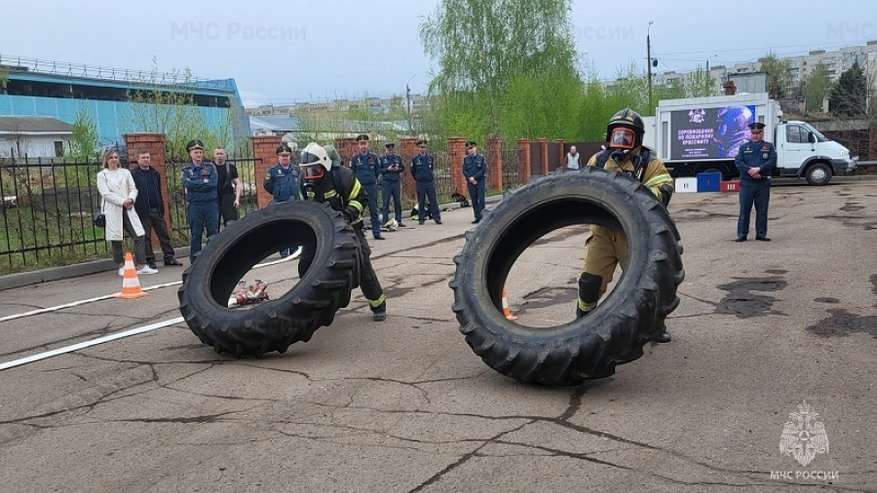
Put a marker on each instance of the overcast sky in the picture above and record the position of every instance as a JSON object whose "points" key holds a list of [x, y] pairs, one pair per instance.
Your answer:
{"points": [[281, 52]]}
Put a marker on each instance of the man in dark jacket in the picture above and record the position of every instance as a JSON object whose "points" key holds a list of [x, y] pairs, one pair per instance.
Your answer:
{"points": [[200, 179], [282, 182], [391, 170], [366, 167], [150, 208], [422, 165], [755, 160], [474, 169]]}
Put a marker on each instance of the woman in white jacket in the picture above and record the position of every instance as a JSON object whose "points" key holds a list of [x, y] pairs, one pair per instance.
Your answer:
{"points": [[118, 192]]}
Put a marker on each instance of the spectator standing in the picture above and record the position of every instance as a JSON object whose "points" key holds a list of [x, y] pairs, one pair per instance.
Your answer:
{"points": [[150, 209]]}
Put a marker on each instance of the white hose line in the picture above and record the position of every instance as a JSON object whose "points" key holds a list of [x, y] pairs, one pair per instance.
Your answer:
{"points": [[93, 342], [72, 304]]}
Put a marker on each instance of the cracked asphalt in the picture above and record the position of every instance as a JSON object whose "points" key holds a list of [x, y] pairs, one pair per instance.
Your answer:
{"points": [[405, 406]]}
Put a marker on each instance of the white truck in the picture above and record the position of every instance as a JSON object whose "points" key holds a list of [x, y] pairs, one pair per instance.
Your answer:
{"points": [[696, 135]]}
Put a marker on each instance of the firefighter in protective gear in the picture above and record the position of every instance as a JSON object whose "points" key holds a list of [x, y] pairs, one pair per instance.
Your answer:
{"points": [[325, 181], [606, 247]]}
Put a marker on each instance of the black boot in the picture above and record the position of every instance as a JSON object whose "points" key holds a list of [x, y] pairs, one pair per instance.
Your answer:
{"points": [[663, 337], [379, 314]]}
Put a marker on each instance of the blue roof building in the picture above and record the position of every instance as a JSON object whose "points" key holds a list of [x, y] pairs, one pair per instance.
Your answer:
{"points": [[60, 90]]}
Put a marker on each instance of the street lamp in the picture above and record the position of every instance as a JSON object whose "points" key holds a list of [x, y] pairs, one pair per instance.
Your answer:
{"points": [[708, 62], [408, 99], [649, 60]]}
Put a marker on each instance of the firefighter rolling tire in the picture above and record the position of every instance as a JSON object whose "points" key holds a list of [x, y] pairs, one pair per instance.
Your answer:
{"points": [[271, 325], [615, 332]]}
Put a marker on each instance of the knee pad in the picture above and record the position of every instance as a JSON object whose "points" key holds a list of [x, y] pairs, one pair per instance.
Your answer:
{"points": [[589, 287]]}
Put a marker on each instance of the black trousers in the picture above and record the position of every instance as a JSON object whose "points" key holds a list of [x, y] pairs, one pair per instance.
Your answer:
{"points": [[155, 221], [227, 212], [368, 279], [139, 243]]}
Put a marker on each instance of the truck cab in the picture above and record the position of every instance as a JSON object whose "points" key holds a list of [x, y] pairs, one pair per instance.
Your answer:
{"points": [[804, 152]]}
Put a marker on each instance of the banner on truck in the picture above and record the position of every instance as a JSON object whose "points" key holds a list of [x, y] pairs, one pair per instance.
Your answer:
{"points": [[710, 133]]}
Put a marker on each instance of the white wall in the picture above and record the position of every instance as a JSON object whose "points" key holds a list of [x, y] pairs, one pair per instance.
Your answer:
{"points": [[31, 145]]}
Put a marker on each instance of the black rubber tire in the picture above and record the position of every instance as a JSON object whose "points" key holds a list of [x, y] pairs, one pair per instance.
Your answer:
{"points": [[274, 324], [814, 169], [615, 332]]}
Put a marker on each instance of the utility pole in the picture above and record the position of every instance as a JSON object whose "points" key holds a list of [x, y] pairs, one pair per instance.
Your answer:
{"points": [[649, 61], [408, 100]]}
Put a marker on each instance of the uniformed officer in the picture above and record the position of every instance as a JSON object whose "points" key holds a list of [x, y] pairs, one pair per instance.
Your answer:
{"points": [[474, 168], [422, 165], [324, 180], [366, 167], [200, 179], [606, 247], [755, 160], [391, 171], [282, 182]]}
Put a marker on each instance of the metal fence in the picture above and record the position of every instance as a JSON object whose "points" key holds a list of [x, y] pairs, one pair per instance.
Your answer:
{"points": [[47, 205]]}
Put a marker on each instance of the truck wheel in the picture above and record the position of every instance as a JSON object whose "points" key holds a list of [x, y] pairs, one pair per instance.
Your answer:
{"points": [[294, 316], [590, 347], [818, 174]]}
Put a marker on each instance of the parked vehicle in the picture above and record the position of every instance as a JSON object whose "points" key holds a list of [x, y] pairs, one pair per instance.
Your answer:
{"points": [[695, 135]]}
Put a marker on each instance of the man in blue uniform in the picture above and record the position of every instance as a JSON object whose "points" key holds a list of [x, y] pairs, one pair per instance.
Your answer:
{"points": [[755, 160], [200, 179], [391, 171], [474, 167], [422, 166], [325, 180], [365, 166], [282, 182]]}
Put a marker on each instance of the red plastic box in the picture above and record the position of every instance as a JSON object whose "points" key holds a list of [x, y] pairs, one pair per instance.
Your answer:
{"points": [[729, 186]]}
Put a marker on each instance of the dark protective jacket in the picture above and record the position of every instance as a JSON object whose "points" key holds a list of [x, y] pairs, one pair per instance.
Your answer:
{"points": [[341, 189]]}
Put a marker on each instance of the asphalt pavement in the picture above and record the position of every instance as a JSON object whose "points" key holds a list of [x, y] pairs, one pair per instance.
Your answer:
{"points": [[764, 330]]}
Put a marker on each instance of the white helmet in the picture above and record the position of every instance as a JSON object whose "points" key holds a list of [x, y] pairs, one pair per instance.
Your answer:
{"points": [[314, 162]]}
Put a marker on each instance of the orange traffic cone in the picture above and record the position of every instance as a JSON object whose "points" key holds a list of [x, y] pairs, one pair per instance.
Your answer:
{"points": [[130, 282], [505, 307]]}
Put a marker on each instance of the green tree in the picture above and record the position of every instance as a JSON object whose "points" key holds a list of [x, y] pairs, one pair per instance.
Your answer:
{"points": [[481, 46], [171, 109], [84, 143], [816, 87], [700, 84], [779, 75], [849, 94], [4, 79]]}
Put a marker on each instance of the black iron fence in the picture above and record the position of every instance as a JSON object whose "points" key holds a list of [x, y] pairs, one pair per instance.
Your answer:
{"points": [[47, 205]]}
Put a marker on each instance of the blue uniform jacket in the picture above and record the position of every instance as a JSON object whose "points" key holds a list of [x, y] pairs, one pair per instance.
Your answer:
{"points": [[422, 168], [474, 166], [762, 156], [390, 175], [200, 182], [282, 184], [366, 168]]}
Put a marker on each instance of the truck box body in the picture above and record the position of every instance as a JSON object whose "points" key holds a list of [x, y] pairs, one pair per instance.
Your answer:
{"points": [[693, 135]]}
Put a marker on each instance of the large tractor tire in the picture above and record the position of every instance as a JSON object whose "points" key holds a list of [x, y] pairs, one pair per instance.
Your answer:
{"points": [[274, 324], [615, 332]]}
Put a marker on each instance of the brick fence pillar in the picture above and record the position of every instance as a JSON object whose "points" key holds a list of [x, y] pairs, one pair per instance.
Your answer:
{"points": [[494, 163], [561, 155], [523, 151], [154, 143], [265, 154], [543, 149], [347, 148], [456, 153], [407, 150]]}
